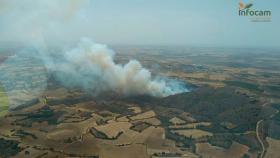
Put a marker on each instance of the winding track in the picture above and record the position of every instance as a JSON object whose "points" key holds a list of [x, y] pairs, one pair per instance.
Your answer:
{"points": [[259, 139], [257, 130]]}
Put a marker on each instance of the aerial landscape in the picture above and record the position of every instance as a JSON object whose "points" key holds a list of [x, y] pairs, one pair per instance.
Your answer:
{"points": [[91, 100]]}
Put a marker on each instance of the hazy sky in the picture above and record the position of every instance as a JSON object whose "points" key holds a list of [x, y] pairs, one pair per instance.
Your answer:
{"points": [[182, 22]]}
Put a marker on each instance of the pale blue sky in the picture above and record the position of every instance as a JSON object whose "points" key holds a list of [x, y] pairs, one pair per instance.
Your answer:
{"points": [[176, 22]]}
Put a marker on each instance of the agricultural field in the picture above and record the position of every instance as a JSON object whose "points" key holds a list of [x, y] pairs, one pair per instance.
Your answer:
{"points": [[208, 151], [4, 102], [273, 149]]}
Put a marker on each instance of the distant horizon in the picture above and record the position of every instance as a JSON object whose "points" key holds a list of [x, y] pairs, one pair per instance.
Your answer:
{"points": [[73, 44]]}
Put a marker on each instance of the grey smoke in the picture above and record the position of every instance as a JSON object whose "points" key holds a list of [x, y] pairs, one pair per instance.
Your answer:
{"points": [[91, 66]]}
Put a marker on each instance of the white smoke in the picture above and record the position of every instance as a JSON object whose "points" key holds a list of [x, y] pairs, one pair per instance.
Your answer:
{"points": [[44, 24], [91, 67]]}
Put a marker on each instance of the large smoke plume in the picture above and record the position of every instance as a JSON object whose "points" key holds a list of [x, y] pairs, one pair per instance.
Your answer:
{"points": [[91, 66], [41, 25]]}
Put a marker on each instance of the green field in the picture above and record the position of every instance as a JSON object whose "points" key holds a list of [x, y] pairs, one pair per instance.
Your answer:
{"points": [[3, 102], [245, 85]]}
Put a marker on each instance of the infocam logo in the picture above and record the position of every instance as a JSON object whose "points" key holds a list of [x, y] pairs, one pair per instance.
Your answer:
{"points": [[256, 15]]}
